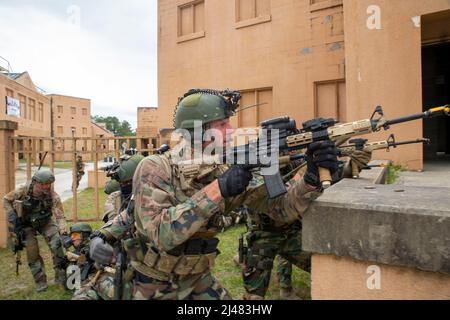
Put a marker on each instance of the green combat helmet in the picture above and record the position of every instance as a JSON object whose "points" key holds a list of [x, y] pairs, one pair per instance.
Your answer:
{"points": [[44, 176], [81, 227], [128, 167], [206, 106], [112, 186]]}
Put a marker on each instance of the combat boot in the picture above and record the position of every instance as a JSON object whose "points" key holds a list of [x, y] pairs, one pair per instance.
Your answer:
{"points": [[288, 294], [41, 286]]}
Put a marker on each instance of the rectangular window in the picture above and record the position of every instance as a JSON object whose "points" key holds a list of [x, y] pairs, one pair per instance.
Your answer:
{"points": [[41, 112], [84, 112], [32, 109], [84, 130], [60, 109], [330, 99], [23, 106], [253, 116], [60, 129], [74, 130], [191, 24], [251, 12], [73, 110]]}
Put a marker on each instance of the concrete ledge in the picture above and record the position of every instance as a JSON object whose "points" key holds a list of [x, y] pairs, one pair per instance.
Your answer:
{"points": [[408, 228], [376, 175], [8, 125]]}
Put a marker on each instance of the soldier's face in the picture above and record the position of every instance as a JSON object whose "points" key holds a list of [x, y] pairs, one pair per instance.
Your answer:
{"points": [[223, 130], [42, 188], [76, 239]]}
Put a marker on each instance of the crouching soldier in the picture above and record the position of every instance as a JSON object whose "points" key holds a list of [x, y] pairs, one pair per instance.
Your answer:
{"points": [[36, 209]]}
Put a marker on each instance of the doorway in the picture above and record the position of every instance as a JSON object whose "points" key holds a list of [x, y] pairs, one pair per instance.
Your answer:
{"points": [[436, 82]]}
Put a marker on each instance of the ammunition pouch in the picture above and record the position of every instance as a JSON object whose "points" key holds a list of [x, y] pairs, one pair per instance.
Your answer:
{"points": [[195, 256], [41, 219]]}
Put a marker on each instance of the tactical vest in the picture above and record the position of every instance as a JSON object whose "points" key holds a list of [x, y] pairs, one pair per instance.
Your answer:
{"points": [[196, 255], [37, 212]]}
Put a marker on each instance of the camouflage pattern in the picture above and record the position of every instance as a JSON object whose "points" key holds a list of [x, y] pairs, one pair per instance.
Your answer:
{"points": [[35, 261], [170, 210], [80, 170], [112, 206], [99, 289], [57, 207], [50, 231], [199, 287], [263, 248], [284, 272]]}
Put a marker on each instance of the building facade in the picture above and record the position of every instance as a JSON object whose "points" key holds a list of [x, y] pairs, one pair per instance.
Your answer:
{"points": [[308, 59], [34, 118], [72, 118], [147, 127]]}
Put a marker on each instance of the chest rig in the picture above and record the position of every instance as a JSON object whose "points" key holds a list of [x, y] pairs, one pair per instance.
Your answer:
{"points": [[37, 212], [196, 255]]}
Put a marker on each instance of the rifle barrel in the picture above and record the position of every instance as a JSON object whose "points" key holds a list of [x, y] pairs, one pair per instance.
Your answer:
{"points": [[434, 112], [394, 144]]}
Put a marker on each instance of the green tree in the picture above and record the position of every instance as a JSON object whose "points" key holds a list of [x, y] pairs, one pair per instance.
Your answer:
{"points": [[117, 127]]}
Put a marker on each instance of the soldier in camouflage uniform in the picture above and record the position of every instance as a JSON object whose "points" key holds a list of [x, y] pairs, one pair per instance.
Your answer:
{"points": [[42, 213], [80, 169], [179, 209], [113, 201], [268, 238], [102, 287]]}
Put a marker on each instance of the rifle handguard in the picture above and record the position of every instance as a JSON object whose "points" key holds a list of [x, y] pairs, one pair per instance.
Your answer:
{"points": [[325, 177]]}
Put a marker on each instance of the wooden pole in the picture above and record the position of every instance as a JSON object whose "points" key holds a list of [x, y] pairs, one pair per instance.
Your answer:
{"points": [[52, 155], [28, 155], [74, 179], [97, 211]]}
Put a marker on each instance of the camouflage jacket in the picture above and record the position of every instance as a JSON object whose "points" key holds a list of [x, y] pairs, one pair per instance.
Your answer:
{"points": [[112, 206], [168, 212], [21, 193]]}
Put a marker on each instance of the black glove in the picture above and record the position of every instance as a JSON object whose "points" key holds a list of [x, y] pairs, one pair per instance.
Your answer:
{"points": [[66, 240], [321, 154], [100, 251], [234, 181]]}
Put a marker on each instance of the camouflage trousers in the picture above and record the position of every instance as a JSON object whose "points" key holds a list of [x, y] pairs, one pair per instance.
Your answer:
{"points": [[102, 289], [35, 262], [263, 247], [195, 287]]}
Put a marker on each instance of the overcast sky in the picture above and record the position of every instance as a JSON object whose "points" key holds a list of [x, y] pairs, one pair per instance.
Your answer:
{"points": [[104, 50]]}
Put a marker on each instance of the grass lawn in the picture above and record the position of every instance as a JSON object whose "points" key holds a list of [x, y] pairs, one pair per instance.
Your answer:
{"points": [[22, 287], [86, 204]]}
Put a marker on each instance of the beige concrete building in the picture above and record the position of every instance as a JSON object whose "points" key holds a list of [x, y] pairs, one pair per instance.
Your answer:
{"points": [[34, 119], [147, 126], [72, 117], [313, 58]]}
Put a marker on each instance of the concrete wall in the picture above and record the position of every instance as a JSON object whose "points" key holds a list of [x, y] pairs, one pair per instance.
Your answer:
{"points": [[282, 52], [343, 278], [305, 58], [383, 66]]}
